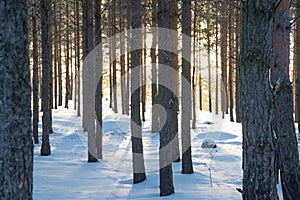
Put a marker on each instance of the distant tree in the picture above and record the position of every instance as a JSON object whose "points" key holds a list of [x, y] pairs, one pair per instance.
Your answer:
{"points": [[16, 147], [230, 61], [139, 173], [259, 147], [283, 122], [46, 64], [153, 53]]}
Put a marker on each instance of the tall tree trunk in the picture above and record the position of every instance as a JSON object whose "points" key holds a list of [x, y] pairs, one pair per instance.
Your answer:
{"points": [[224, 95], [174, 65], [283, 123], [114, 62], [78, 58], [187, 165], [46, 64], [67, 94], [35, 76], [237, 65], [139, 172], [122, 57], [128, 46], [230, 63], [144, 75], [209, 65], [167, 101], [194, 65], [154, 92], [16, 147], [55, 39], [217, 60], [259, 176], [59, 64], [98, 78]]}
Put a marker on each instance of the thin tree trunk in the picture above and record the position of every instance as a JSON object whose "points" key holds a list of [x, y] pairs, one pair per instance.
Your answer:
{"points": [[98, 78], [114, 62], [78, 59], [35, 76], [16, 147], [155, 119], [122, 57], [231, 68], [59, 61], [283, 123], [67, 94], [237, 65], [209, 67], [174, 65], [217, 61]]}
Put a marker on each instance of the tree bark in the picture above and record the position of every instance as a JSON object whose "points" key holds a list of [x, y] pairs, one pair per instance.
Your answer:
{"points": [[187, 164], [283, 122], [46, 64], [139, 171], [259, 176], [35, 76], [16, 157]]}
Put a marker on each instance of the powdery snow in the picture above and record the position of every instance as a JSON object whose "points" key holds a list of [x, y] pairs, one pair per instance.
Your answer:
{"points": [[66, 174]]}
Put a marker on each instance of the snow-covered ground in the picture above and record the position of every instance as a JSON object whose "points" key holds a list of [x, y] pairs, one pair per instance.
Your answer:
{"points": [[66, 174]]}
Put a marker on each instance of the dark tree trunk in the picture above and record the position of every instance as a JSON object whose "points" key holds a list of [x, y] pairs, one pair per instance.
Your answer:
{"points": [[187, 164], [78, 58], [283, 122], [217, 60], [114, 62], [92, 153], [237, 66], [46, 64], [98, 94], [209, 65], [67, 94], [127, 95], [154, 86], [139, 172], [122, 57], [174, 81], [35, 76], [230, 63], [59, 61], [224, 96], [165, 97], [16, 147], [259, 176], [297, 52]]}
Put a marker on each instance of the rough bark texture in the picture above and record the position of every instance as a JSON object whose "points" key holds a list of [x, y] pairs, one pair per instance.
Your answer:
{"points": [[35, 77], [259, 177], [16, 147], [165, 97], [297, 52], [187, 164], [46, 64], [283, 122], [139, 173]]}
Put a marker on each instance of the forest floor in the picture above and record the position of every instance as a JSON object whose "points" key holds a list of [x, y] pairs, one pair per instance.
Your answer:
{"points": [[66, 174]]}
